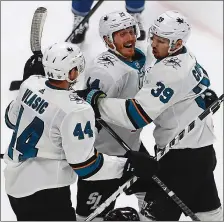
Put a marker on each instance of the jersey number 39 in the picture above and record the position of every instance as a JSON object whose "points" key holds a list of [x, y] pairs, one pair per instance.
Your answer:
{"points": [[164, 93]]}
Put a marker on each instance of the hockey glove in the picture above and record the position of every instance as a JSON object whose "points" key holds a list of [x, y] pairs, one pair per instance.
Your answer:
{"points": [[92, 96], [141, 165], [210, 97], [140, 186], [33, 66]]}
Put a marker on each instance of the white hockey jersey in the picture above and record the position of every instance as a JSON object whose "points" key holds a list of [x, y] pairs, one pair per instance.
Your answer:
{"points": [[53, 137], [118, 79], [171, 97]]}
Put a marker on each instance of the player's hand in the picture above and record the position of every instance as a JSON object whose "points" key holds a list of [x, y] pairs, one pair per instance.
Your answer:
{"points": [[92, 96], [33, 66], [210, 97], [140, 186], [141, 165], [83, 93]]}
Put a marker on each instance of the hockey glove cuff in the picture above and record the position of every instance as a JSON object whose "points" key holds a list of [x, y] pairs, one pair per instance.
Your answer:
{"points": [[92, 96]]}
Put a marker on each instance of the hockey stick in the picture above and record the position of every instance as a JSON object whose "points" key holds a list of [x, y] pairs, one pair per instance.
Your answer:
{"points": [[113, 197], [190, 127], [35, 38], [86, 18], [38, 21], [173, 196], [36, 33]]}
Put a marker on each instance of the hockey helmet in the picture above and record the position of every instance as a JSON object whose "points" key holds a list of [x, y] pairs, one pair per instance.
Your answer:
{"points": [[122, 214], [171, 25], [60, 58], [116, 21]]}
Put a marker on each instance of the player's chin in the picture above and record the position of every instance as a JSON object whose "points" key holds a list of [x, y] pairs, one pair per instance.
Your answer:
{"points": [[128, 52], [156, 55]]}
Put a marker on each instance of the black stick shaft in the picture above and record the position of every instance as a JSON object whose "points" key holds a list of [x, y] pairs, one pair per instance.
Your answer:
{"points": [[86, 18], [172, 195]]}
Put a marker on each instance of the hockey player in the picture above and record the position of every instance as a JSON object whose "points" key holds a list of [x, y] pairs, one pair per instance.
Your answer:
{"points": [[119, 72], [173, 94], [53, 139], [81, 8]]}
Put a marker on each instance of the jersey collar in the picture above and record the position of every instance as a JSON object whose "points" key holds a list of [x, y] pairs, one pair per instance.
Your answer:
{"points": [[47, 83], [182, 51]]}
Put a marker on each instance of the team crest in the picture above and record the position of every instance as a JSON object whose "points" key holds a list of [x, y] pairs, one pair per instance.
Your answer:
{"points": [[76, 98], [107, 60], [174, 62]]}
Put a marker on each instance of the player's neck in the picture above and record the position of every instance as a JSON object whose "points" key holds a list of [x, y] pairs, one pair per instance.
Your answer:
{"points": [[60, 84]]}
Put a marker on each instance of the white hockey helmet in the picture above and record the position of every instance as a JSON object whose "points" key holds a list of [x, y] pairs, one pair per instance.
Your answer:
{"points": [[116, 21], [60, 58], [173, 26]]}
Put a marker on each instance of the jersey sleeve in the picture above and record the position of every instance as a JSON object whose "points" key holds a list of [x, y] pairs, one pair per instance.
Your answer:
{"points": [[77, 141], [13, 108], [161, 89], [99, 78], [11, 114]]}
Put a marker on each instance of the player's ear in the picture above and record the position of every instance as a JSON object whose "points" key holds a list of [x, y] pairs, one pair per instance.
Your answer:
{"points": [[179, 43], [73, 74]]}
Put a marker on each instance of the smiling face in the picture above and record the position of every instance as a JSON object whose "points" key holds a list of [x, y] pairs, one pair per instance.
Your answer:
{"points": [[124, 41]]}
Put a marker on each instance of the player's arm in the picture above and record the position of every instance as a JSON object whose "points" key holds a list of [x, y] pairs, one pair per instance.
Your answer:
{"points": [[11, 114], [147, 105], [12, 110], [99, 78], [77, 141]]}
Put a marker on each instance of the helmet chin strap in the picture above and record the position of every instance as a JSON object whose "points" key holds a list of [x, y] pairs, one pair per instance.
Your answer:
{"points": [[172, 52], [114, 49]]}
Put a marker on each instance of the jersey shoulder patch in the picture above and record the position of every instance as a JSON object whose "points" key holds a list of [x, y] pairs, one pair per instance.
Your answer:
{"points": [[106, 60], [72, 102]]}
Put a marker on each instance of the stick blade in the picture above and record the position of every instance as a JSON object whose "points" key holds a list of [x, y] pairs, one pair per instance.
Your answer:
{"points": [[37, 28]]}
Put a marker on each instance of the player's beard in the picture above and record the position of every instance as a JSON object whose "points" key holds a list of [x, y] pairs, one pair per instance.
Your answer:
{"points": [[128, 53]]}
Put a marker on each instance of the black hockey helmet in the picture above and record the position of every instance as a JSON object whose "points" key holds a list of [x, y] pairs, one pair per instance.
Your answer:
{"points": [[122, 214]]}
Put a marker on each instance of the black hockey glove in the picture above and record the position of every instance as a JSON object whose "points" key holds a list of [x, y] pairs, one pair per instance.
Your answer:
{"points": [[92, 96], [141, 165], [140, 186], [210, 97], [33, 66]]}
